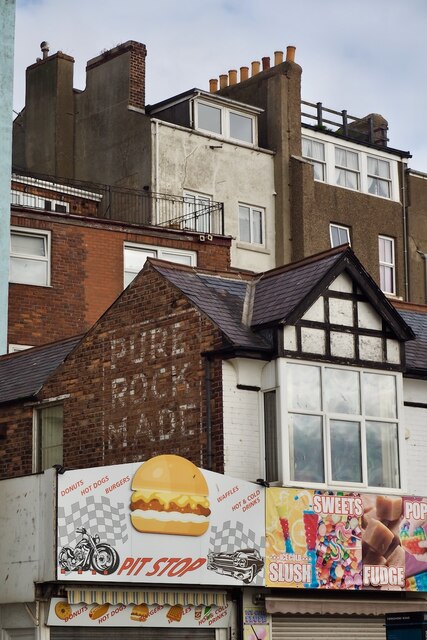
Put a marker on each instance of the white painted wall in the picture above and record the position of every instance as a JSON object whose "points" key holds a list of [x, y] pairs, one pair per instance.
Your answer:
{"points": [[242, 447], [27, 534], [229, 173], [415, 429]]}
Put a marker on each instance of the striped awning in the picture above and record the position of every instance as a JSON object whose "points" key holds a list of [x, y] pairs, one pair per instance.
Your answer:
{"points": [[139, 596]]}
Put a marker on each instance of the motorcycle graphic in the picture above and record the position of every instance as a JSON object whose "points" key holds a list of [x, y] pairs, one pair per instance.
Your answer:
{"points": [[89, 553]]}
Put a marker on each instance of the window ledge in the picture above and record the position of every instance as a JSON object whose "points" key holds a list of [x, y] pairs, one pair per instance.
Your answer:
{"points": [[252, 247]]}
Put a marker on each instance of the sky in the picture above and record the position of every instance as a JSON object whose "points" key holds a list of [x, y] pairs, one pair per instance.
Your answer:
{"points": [[367, 56]]}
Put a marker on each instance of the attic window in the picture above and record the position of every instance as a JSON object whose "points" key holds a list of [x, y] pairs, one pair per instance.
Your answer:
{"points": [[226, 122]]}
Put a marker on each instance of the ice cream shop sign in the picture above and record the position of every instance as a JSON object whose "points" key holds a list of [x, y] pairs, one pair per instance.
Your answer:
{"points": [[167, 521]]}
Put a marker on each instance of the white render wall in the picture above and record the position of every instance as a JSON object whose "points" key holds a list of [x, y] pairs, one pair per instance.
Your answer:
{"points": [[27, 534], [186, 160], [415, 429], [242, 436]]}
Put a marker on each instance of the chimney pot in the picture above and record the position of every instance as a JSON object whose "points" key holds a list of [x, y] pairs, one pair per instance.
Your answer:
{"points": [[244, 73], [278, 57], [290, 54], [44, 46], [232, 76], [265, 63], [223, 81], [213, 85], [255, 67]]}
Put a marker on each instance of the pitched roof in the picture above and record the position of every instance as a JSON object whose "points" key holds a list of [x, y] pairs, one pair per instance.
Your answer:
{"points": [[24, 372], [416, 350], [222, 299]]}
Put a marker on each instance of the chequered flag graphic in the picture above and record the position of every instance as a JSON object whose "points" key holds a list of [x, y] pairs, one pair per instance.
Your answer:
{"points": [[97, 516], [231, 537]]}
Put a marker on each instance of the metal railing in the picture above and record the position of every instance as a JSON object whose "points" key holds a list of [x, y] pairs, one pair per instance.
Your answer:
{"points": [[340, 122], [117, 203]]}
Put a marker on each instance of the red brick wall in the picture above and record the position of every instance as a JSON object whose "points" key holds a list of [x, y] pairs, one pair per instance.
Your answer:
{"points": [[16, 448], [87, 274], [136, 384]]}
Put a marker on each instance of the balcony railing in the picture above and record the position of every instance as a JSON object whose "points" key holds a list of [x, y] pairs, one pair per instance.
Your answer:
{"points": [[117, 203], [371, 129]]}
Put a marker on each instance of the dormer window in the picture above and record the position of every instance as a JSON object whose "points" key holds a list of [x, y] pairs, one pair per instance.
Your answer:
{"points": [[222, 120]]}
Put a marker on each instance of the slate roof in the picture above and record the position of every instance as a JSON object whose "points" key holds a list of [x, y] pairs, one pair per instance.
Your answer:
{"points": [[221, 299], [280, 291], [24, 372], [416, 350]]}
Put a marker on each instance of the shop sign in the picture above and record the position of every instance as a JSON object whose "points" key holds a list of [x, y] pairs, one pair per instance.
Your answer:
{"points": [[161, 521], [339, 540], [61, 613]]}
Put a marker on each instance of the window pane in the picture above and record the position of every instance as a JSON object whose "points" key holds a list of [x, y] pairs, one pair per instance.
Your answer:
{"points": [[303, 387], [197, 211], [50, 434], [319, 171], [346, 452], [386, 250], [28, 245], [313, 149], [244, 224], [135, 258], [209, 118], [270, 430], [383, 454], [339, 235], [257, 227], [306, 448], [176, 257], [386, 279], [241, 127], [26, 271], [380, 395], [342, 393]]}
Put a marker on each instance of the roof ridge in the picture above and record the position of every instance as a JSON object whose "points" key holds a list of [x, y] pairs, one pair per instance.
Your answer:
{"points": [[291, 266]]}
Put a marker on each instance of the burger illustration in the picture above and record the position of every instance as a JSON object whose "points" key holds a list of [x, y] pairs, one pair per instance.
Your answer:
{"points": [[170, 495]]}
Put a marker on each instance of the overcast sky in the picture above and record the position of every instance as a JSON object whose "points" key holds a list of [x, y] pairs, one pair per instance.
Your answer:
{"points": [[367, 56]]}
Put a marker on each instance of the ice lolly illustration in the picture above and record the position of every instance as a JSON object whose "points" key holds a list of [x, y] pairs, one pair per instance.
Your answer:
{"points": [[284, 523], [311, 519]]}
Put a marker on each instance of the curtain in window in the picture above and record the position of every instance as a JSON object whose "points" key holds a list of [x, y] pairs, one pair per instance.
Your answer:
{"points": [[51, 436]]}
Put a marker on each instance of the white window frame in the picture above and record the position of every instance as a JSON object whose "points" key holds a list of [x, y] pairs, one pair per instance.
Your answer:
{"points": [[377, 178], [225, 112], [315, 161], [14, 348], [252, 210], [38, 440], [387, 265], [192, 198], [363, 153], [347, 170], [162, 253], [340, 228], [46, 235], [284, 431]]}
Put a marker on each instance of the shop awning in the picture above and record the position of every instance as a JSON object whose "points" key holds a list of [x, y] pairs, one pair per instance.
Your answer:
{"points": [[149, 596], [331, 606]]}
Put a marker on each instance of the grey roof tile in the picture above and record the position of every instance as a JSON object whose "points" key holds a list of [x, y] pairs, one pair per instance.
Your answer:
{"points": [[279, 292], [221, 299], [416, 350], [23, 373]]}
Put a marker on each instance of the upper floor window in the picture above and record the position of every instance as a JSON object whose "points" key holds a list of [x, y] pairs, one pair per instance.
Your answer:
{"points": [[135, 256], [224, 121], [29, 256], [314, 151], [197, 211], [347, 168], [339, 235], [49, 437], [28, 200], [387, 264], [251, 224], [351, 167], [379, 182], [341, 426]]}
